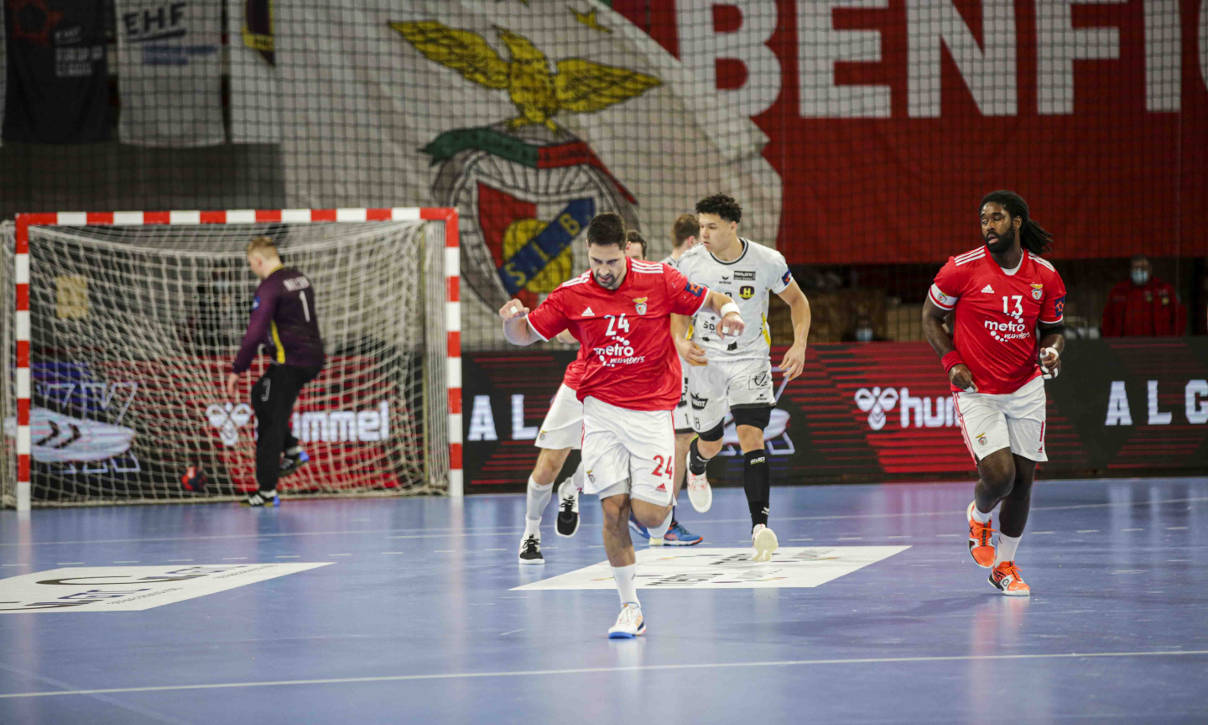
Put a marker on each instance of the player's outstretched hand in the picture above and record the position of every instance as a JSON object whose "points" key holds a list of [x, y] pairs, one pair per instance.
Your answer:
{"points": [[511, 309], [961, 377], [692, 353], [232, 382], [1050, 363], [731, 325], [794, 362]]}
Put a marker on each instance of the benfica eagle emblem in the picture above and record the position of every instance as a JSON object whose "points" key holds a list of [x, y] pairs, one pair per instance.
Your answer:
{"points": [[525, 185]]}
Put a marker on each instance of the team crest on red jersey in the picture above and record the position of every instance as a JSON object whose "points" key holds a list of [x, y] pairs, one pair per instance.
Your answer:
{"points": [[639, 304], [1037, 291]]}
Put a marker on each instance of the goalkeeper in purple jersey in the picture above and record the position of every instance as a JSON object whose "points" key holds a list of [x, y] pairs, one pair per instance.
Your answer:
{"points": [[283, 321]]}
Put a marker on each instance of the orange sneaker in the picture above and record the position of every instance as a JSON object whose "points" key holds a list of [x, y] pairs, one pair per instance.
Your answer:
{"points": [[980, 546], [1005, 578]]}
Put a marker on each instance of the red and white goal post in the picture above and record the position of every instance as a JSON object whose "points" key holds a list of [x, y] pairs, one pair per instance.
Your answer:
{"points": [[123, 325]]}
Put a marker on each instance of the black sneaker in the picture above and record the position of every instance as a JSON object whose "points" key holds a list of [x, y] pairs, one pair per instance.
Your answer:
{"points": [[568, 510], [289, 463], [263, 498], [530, 550]]}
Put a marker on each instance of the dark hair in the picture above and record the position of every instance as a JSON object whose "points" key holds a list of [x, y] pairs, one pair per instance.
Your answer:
{"points": [[636, 238], [1032, 236], [722, 205], [607, 228], [686, 225]]}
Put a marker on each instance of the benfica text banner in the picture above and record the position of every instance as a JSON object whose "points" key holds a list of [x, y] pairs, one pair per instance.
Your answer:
{"points": [[889, 119], [882, 412]]}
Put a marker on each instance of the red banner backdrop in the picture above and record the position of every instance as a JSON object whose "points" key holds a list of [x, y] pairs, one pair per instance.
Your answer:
{"points": [[889, 121]]}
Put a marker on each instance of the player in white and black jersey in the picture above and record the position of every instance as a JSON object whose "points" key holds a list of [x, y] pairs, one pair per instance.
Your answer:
{"points": [[736, 374], [683, 238]]}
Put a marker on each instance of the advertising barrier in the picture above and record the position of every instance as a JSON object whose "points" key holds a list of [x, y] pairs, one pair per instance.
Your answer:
{"points": [[869, 412]]}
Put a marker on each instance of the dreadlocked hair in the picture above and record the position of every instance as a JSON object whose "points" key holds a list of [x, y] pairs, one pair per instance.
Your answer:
{"points": [[1032, 236]]}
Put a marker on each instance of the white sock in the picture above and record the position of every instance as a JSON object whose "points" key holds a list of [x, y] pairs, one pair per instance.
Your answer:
{"points": [[1005, 551], [657, 532], [535, 500], [627, 586], [577, 477], [978, 516]]}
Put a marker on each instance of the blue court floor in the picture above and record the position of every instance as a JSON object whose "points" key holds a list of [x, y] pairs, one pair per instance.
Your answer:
{"points": [[414, 617]]}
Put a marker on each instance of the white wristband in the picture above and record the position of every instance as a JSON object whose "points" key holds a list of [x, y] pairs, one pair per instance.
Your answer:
{"points": [[729, 307], [1047, 350]]}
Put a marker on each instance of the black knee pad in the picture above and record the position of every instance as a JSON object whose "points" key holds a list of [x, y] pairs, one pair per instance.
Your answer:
{"points": [[757, 416], [713, 434]]}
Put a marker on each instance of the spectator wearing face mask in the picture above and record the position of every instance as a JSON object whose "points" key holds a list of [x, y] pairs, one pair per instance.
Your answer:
{"points": [[862, 331], [1142, 306]]}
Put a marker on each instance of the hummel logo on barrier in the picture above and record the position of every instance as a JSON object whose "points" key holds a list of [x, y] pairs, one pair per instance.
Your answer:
{"points": [[988, 290], [588, 313]]}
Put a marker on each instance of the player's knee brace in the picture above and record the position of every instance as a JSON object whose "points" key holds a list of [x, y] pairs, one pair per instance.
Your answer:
{"points": [[757, 416], [713, 434]]}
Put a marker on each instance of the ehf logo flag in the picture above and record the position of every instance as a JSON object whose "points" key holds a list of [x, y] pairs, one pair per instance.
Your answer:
{"points": [[170, 72]]}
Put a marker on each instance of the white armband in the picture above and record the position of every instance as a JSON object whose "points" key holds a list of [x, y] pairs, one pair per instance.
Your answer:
{"points": [[729, 307], [1047, 350]]}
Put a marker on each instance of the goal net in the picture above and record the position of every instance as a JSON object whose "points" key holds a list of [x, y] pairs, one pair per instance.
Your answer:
{"points": [[133, 322]]}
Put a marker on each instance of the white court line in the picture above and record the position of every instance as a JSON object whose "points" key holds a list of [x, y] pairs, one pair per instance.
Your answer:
{"points": [[598, 670]]}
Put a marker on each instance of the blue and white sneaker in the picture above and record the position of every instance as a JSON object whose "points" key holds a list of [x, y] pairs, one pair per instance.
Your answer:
{"points": [[292, 462], [263, 498], [636, 529], [677, 535], [630, 623], [641, 532]]}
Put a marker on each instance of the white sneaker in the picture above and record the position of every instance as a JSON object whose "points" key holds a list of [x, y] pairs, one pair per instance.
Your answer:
{"points": [[629, 624], [530, 550], [568, 509], [765, 543], [699, 492]]}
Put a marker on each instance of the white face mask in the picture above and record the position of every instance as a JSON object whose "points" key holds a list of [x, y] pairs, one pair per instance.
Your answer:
{"points": [[1140, 276], [864, 334]]}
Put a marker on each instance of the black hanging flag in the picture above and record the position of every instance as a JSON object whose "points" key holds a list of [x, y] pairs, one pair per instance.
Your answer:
{"points": [[258, 28], [57, 84]]}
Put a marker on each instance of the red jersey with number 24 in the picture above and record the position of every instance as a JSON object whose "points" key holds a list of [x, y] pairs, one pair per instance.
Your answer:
{"points": [[629, 359], [996, 315]]}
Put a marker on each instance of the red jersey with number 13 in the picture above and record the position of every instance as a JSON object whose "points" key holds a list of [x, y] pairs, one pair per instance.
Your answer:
{"points": [[996, 315], [629, 359]]}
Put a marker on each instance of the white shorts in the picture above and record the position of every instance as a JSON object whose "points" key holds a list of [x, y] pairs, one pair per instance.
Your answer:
{"points": [[563, 424], [1015, 420], [715, 388], [628, 451], [679, 416]]}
